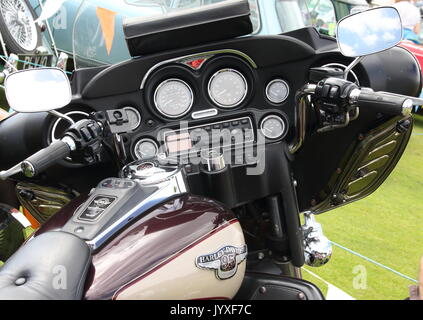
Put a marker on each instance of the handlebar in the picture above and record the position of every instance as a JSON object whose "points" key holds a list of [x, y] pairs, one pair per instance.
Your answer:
{"points": [[386, 103], [340, 96], [46, 157]]}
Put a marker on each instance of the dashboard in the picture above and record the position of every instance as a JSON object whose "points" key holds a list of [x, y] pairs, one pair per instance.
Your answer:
{"points": [[206, 101]]}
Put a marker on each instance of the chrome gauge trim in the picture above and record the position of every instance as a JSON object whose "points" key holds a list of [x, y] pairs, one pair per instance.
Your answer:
{"points": [[139, 142], [183, 59], [138, 115], [283, 131], [273, 82], [213, 77], [166, 82], [56, 123], [204, 114], [343, 67]]}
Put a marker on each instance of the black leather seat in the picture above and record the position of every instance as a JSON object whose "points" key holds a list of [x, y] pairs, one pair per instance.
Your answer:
{"points": [[52, 266]]}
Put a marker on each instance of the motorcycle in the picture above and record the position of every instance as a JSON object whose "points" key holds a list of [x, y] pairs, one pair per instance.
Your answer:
{"points": [[199, 155]]}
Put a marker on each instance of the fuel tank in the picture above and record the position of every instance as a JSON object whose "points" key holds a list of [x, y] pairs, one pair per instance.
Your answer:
{"points": [[187, 248]]}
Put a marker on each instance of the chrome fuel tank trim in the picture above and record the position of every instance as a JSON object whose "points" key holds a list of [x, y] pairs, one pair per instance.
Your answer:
{"points": [[167, 188], [202, 55]]}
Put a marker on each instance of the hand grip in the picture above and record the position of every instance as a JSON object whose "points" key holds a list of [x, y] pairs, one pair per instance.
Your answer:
{"points": [[45, 158], [385, 103]]}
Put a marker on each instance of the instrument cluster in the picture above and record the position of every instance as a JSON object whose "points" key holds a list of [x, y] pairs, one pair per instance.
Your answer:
{"points": [[206, 90]]}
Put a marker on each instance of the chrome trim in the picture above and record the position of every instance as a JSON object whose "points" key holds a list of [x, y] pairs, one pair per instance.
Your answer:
{"points": [[172, 186], [62, 116], [56, 123], [275, 81], [11, 172], [273, 117], [407, 107], [354, 95], [317, 247], [28, 169], [70, 142], [301, 104], [222, 105], [138, 114], [120, 150], [351, 66], [142, 141], [161, 85], [336, 126], [183, 59], [212, 160], [204, 114], [343, 66]]}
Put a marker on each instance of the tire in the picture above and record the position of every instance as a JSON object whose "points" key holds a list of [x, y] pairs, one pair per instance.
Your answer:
{"points": [[32, 35]]}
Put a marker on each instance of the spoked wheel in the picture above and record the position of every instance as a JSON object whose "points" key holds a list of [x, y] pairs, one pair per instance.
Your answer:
{"points": [[17, 26]]}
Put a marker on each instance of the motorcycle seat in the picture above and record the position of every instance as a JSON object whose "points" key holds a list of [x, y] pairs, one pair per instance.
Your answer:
{"points": [[52, 266]]}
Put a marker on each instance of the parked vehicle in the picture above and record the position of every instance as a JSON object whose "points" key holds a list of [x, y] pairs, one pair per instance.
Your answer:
{"points": [[200, 154]]}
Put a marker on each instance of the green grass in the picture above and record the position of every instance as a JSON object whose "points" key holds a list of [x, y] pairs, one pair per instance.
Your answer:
{"points": [[387, 227]]}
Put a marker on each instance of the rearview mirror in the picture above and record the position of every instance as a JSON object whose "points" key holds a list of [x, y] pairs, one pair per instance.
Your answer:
{"points": [[369, 32], [38, 90]]}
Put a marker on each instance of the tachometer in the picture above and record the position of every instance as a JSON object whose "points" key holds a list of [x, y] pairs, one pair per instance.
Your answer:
{"points": [[173, 98], [228, 88]]}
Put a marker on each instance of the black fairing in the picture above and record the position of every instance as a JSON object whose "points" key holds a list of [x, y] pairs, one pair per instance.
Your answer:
{"points": [[291, 55]]}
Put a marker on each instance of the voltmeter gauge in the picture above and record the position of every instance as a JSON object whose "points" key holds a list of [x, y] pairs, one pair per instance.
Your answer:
{"points": [[145, 149], [277, 91], [273, 127]]}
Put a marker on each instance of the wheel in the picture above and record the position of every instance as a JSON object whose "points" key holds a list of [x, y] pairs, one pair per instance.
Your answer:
{"points": [[20, 33]]}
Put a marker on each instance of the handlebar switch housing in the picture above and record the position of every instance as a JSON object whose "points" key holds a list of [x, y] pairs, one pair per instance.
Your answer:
{"points": [[333, 95], [87, 136]]}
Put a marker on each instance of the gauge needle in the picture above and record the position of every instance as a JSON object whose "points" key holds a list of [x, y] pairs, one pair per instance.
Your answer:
{"points": [[268, 130], [168, 102], [220, 93]]}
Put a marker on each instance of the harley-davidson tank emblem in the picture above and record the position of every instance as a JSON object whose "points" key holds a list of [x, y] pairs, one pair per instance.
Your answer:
{"points": [[225, 261]]}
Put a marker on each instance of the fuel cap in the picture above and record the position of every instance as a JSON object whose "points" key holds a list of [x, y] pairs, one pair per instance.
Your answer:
{"points": [[212, 160]]}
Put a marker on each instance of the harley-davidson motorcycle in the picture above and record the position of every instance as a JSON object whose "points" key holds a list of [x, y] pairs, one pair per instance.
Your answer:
{"points": [[183, 172]]}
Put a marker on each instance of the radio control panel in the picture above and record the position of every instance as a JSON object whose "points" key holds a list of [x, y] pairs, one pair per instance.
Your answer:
{"points": [[223, 134]]}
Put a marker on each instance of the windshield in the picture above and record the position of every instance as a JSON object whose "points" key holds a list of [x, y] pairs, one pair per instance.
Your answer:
{"points": [[98, 37]]}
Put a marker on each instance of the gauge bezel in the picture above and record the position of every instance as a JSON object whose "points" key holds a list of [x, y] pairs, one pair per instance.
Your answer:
{"points": [[268, 88], [139, 142], [273, 116], [139, 117], [212, 78], [164, 113]]}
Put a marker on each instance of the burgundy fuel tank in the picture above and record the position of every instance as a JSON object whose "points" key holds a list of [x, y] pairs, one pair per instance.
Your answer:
{"points": [[157, 256]]}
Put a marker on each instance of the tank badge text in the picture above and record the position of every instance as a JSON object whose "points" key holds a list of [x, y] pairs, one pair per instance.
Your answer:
{"points": [[225, 261]]}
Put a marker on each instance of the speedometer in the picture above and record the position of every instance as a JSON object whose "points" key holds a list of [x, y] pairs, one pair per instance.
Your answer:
{"points": [[228, 88], [173, 98]]}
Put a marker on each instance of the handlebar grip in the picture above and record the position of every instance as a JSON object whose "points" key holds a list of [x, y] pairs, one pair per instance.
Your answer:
{"points": [[385, 103], [45, 158]]}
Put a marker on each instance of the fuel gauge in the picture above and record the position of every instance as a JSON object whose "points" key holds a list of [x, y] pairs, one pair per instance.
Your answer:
{"points": [[273, 127]]}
